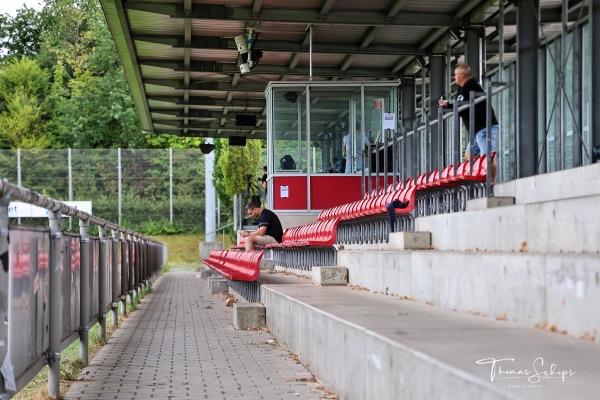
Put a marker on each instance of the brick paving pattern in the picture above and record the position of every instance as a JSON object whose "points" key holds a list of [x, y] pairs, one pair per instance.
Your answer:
{"points": [[180, 343]]}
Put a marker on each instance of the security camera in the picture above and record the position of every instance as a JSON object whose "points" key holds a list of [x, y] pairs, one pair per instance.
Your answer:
{"points": [[244, 68], [240, 41]]}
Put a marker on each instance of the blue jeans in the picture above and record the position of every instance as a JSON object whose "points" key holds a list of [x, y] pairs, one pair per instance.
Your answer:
{"points": [[480, 145]]}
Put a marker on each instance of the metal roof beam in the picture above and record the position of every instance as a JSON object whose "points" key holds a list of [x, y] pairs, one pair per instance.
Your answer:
{"points": [[295, 16], [204, 42]]}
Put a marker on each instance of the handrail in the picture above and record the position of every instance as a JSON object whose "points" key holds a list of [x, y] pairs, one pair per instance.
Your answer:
{"points": [[32, 197]]}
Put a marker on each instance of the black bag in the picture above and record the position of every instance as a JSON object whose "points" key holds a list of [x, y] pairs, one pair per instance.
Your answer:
{"points": [[287, 162]]}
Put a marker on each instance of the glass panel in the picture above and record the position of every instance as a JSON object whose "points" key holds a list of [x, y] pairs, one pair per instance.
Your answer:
{"points": [[289, 129], [552, 106], [586, 77], [568, 109]]}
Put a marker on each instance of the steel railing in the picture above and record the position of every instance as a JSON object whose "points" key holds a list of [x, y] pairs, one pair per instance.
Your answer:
{"points": [[55, 285]]}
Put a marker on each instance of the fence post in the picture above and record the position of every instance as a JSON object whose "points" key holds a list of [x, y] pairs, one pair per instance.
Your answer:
{"points": [[84, 291], [124, 270], [102, 295], [131, 280], [55, 308], [4, 284], [115, 278]]}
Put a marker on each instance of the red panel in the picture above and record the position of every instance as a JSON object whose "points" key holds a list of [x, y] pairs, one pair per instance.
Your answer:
{"points": [[296, 199], [328, 191]]}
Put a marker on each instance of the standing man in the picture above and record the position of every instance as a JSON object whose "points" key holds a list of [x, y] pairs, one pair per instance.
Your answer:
{"points": [[269, 227], [466, 83]]}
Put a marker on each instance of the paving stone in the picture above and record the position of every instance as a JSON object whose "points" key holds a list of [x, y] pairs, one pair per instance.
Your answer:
{"points": [[180, 343]]}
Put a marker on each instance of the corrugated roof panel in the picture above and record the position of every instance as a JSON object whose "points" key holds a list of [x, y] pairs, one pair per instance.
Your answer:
{"points": [[360, 5], [281, 31], [322, 59], [437, 6], [339, 34], [217, 28], [304, 4], [246, 3], [143, 22], [229, 56], [154, 50], [380, 61], [156, 90], [401, 34]]}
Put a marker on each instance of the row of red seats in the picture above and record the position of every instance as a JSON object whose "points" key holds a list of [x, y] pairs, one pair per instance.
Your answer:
{"points": [[319, 233], [236, 265], [407, 190]]}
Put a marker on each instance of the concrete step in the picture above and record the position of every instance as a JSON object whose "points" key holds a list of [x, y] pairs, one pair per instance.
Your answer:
{"points": [[558, 291], [364, 345]]}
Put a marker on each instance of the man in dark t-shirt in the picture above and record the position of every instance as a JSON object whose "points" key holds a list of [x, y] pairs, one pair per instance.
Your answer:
{"points": [[269, 227], [466, 84]]}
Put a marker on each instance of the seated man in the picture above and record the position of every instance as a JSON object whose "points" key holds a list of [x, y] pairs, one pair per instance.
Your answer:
{"points": [[269, 227]]}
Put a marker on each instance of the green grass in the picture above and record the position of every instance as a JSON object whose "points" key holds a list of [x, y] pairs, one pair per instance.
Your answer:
{"points": [[183, 249]]}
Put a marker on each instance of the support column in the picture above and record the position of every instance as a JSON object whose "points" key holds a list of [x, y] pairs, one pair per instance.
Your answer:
{"points": [[595, 56], [527, 86], [437, 90], [473, 51], [115, 278], [56, 313], [84, 291], [102, 295], [408, 117]]}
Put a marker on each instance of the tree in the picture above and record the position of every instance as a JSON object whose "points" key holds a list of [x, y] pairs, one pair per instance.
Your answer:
{"points": [[20, 35], [90, 97], [235, 164], [23, 86]]}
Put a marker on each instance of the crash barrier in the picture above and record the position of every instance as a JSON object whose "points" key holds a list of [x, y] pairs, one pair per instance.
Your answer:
{"points": [[55, 285]]}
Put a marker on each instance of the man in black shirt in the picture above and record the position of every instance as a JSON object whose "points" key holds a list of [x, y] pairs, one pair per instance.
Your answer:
{"points": [[466, 83], [269, 227]]}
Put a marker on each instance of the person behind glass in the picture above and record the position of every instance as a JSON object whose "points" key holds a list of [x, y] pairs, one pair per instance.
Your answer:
{"points": [[263, 181], [360, 142], [466, 84], [269, 227]]}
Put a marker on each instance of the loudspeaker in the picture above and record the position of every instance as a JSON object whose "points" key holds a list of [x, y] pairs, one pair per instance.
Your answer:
{"points": [[237, 140], [206, 148], [245, 119]]}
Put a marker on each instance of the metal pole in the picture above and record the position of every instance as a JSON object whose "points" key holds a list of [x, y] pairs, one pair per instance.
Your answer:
{"points": [[4, 284], [19, 182], [171, 184], [70, 169], [119, 184], [124, 273], [471, 132], [55, 309], [115, 278], [84, 290], [102, 295]]}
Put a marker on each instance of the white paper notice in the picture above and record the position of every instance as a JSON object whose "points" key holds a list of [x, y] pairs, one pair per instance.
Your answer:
{"points": [[389, 121], [284, 192]]}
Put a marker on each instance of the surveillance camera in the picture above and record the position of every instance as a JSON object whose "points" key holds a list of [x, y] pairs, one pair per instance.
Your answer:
{"points": [[241, 43], [244, 68]]}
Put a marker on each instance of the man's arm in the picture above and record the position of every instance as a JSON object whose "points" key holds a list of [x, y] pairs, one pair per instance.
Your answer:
{"points": [[259, 232]]}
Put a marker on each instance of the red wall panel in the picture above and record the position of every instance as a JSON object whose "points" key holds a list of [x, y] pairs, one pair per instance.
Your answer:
{"points": [[328, 191], [297, 193]]}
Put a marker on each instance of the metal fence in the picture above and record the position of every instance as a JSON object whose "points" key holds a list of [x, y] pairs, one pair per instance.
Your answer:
{"points": [[54, 285], [125, 185]]}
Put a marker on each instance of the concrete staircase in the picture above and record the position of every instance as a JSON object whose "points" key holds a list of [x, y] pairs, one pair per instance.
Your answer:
{"points": [[519, 282]]}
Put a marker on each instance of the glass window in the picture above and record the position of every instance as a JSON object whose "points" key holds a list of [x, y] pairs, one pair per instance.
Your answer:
{"points": [[289, 129], [586, 77]]}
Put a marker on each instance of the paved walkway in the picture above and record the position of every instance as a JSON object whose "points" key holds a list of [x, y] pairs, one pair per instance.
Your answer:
{"points": [[180, 343]]}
